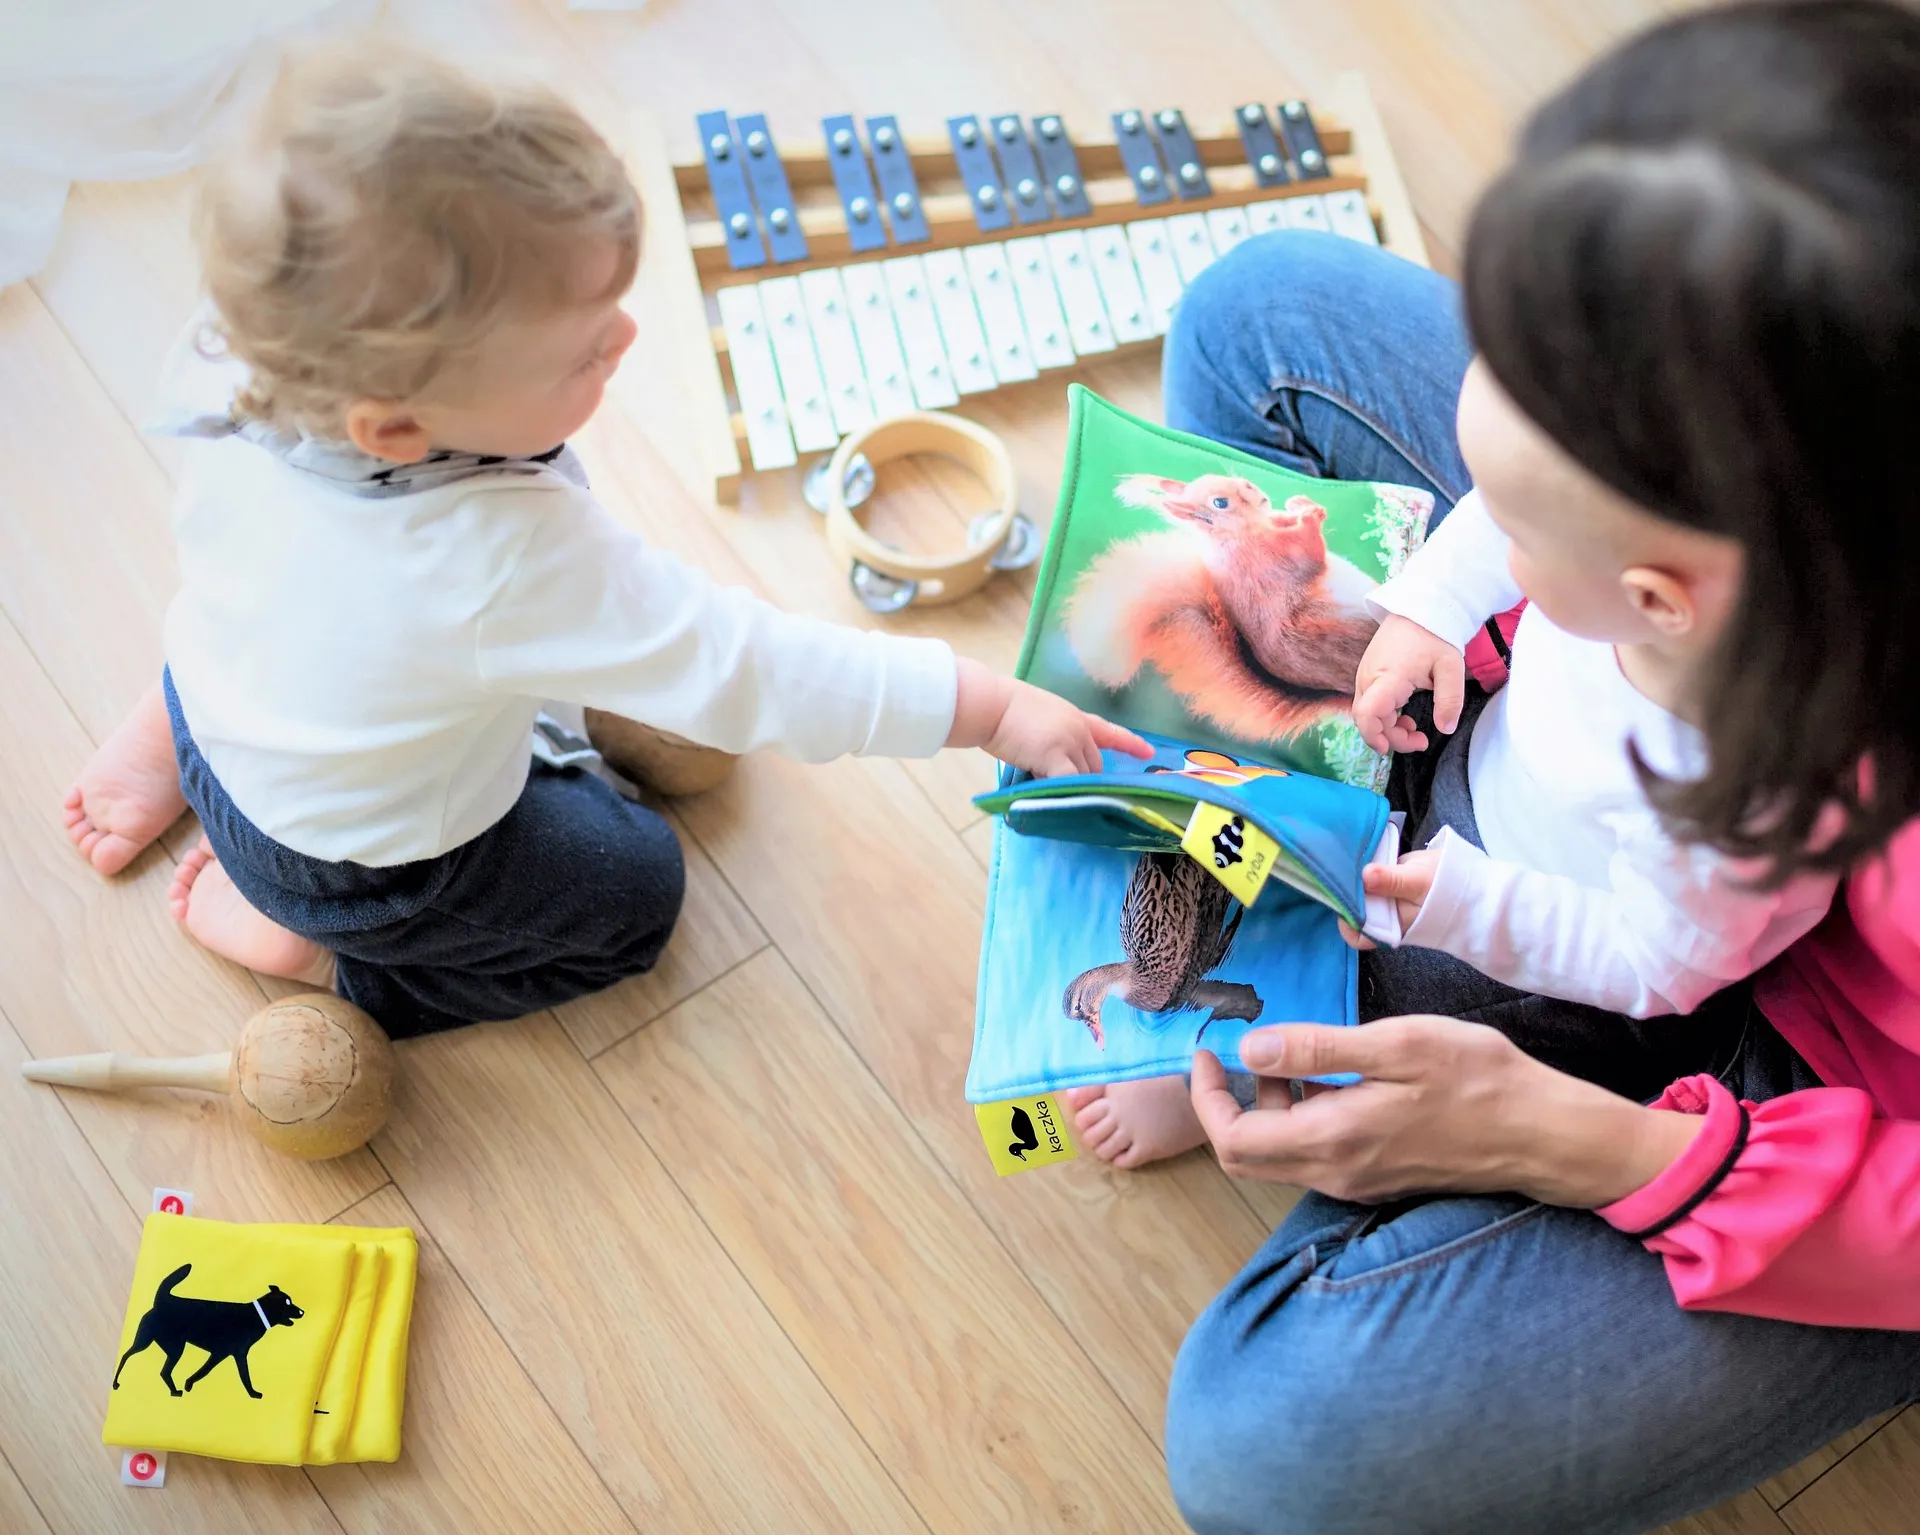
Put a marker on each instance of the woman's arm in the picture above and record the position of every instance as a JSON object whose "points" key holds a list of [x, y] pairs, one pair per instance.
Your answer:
{"points": [[1810, 1214]]}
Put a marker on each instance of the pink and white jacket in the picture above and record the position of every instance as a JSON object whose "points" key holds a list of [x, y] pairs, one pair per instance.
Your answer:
{"points": [[1807, 1207]]}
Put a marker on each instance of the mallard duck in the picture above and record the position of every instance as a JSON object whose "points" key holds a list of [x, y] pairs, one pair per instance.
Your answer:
{"points": [[1176, 924]]}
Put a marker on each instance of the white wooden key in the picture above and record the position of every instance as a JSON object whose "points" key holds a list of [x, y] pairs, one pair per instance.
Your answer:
{"points": [[802, 386], [833, 339], [1072, 263], [1039, 302], [1120, 285], [927, 368], [960, 325], [1228, 226], [992, 281], [1264, 218], [1192, 244], [881, 356], [1160, 280], [1309, 212], [1347, 213], [755, 379]]}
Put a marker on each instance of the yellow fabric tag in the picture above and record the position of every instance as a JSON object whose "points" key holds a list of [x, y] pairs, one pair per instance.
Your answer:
{"points": [[325, 1348], [1025, 1132], [216, 1306], [1236, 853]]}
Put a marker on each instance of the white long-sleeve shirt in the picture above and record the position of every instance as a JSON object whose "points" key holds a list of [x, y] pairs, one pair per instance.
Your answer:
{"points": [[1580, 893], [362, 671]]}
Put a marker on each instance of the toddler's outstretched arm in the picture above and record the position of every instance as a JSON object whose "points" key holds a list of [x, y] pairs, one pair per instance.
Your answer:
{"points": [[1031, 728]]}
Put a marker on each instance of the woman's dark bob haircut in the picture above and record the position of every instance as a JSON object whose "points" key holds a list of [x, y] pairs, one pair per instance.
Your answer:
{"points": [[1701, 278]]}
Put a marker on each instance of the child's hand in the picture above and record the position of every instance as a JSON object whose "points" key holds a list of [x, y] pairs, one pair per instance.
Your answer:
{"points": [[1404, 659], [1407, 882], [1031, 728]]}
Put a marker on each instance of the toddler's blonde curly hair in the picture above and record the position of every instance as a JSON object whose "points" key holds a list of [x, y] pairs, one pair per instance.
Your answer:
{"points": [[386, 211]]}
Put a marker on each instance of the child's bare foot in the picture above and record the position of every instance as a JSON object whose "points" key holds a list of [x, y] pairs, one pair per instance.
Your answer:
{"points": [[1133, 1123], [211, 908], [129, 792]]}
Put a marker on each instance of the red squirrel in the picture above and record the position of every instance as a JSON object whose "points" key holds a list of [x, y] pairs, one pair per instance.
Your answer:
{"points": [[1240, 607]]}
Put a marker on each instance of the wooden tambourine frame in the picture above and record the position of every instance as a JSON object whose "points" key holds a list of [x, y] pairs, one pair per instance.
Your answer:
{"points": [[938, 580]]}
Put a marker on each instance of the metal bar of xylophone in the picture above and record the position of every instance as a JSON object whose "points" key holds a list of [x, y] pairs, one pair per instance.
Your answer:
{"points": [[875, 273]]}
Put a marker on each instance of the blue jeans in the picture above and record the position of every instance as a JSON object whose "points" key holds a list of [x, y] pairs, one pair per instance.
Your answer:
{"points": [[1455, 1364]]}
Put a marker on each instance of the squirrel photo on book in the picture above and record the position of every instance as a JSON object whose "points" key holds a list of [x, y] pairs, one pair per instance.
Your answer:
{"points": [[1217, 605]]}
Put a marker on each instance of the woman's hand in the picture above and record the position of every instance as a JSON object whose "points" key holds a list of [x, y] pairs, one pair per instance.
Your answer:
{"points": [[1445, 1106], [1032, 728], [1403, 659]]}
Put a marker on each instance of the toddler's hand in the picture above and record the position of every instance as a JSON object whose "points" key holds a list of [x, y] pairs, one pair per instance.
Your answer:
{"points": [[1031, 728], [1404, 659], [1407, 882]]}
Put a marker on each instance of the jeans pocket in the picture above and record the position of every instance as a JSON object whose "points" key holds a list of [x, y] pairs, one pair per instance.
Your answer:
{"points": [[1432, 1231]]}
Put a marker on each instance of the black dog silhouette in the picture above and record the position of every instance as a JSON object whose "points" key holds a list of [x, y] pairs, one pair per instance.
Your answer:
{"points": [[226, 1329], [1023, 1127]]}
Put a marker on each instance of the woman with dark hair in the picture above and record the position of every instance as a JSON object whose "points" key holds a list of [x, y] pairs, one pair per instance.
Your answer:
{"points": [[1518, 1300]]}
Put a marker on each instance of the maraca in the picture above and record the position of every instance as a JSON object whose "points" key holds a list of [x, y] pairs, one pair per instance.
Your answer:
{"points": [[312, 1076]]}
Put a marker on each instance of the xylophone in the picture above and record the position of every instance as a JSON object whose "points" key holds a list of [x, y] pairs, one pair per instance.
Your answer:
{"points": [[871, 274]]}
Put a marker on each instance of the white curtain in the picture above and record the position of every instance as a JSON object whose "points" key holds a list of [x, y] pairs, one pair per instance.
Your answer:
{"points": [[117, 90]]}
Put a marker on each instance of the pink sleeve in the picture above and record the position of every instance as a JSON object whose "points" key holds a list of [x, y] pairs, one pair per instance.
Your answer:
{"points": [[1805, 1208]]}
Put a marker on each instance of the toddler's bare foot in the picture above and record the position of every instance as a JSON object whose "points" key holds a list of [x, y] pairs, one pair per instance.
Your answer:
{"points": [[1133, 1123], [211, 908], [129, 792]]}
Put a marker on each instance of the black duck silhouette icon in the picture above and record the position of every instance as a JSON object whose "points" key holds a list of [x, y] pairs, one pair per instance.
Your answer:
{"points": [[1026, 1137], [226, 1329]]}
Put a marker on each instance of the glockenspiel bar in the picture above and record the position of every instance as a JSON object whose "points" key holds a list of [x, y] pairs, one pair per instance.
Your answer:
{"points": [[992, 281], [1228, 226], [960, 328], [755, 378], [1120, 286], [1348, 215], [847, 394], [1152, 247], [1192, 244], [801, 385], [1309, 213], [1265, 217], [873, 328], [1039, 302], [927, 369], [1073, 275]]}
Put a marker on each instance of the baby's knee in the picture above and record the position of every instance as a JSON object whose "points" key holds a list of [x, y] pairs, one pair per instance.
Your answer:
{"points": [[1285, 276]]}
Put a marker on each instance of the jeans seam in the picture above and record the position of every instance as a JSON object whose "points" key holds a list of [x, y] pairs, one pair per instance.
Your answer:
{"points": [[1444, 1253], [1340, 402]]}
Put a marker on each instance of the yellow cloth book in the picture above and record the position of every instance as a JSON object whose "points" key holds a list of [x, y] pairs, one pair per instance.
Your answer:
{"points": [[274, 1343]]}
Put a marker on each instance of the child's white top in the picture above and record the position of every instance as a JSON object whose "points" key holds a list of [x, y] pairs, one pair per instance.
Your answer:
{"points": [[1580, 893], [362, 671]]}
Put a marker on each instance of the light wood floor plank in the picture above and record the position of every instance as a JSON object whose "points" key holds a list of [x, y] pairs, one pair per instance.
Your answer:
{"points": [[1748, 1514], [1789, 1484], [86, 560], [658, 1358], [877, 905], [96, 964], [65, 1267], [890, 1285], [17, 1511], [480, 1449], [1873, 1491]]}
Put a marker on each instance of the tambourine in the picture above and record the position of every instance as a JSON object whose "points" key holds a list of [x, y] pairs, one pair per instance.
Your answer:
{"points": [[886, 579]]}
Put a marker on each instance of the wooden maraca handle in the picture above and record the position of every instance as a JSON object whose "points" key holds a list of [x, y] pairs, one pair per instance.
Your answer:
{"points": [[110, 1071]]}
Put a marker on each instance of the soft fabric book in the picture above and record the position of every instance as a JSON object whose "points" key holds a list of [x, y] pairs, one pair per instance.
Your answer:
{"points": [[1217, 604]]}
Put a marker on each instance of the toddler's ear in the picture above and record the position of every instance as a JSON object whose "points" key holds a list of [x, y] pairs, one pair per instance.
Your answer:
{"points": [[386, 429], [1663, 600]]}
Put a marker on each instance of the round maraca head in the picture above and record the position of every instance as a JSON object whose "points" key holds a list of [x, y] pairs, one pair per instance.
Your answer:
{"points": [[313, 1076]]}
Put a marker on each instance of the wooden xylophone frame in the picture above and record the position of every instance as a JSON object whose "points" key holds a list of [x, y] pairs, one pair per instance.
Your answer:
{"points": [[687, 244]]}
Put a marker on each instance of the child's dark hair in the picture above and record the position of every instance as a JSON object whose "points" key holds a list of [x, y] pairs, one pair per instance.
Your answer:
{"points": [[1702, 279]]}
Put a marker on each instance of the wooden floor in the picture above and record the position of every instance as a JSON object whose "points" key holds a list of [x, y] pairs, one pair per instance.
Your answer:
{"points": [[718, 1250]]}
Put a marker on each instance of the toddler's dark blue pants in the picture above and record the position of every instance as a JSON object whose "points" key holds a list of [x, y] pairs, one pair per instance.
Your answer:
{"points": [[571, 890]]}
